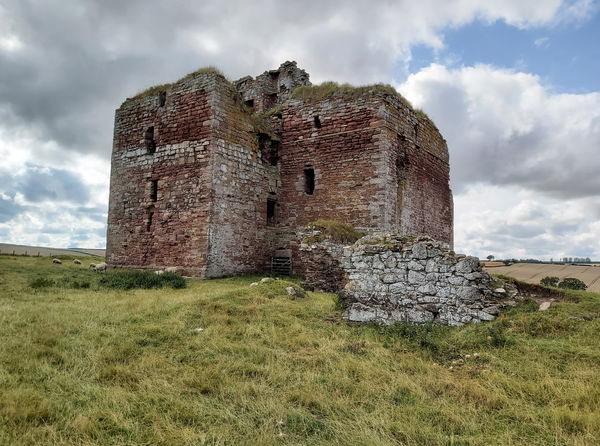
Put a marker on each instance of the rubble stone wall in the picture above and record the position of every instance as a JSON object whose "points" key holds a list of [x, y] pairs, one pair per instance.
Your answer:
{"points": [[393, 278]]}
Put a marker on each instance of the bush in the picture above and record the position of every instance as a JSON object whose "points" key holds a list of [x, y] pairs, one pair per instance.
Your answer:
{"points": [[41, 282], [550, 281], [570, 283], [128, 280]]}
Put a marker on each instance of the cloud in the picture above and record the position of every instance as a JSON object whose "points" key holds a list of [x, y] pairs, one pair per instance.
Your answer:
{"points": [[65, 68], [511, 222], [505, 128]]}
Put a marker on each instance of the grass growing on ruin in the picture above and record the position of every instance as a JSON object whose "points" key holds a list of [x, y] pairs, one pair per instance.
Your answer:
{"points": [[329, 89], [97, 366], [336, 231], [155, 89]]}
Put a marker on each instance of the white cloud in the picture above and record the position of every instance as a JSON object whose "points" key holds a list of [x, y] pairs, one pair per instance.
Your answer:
{"points": [[510, 222], [504, 127], [523, 160]]}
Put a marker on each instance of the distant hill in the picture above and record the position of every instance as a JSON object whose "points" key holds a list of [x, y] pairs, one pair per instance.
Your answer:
{"points": [[8, 248]]}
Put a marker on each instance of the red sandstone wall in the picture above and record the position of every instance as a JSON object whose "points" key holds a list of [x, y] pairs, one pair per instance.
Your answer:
{"points": [[345, 157], [178, 234], [418, 156]]}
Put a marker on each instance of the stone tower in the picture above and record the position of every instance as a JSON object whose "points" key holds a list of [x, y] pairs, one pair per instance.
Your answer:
{"points": [[215, 177]]}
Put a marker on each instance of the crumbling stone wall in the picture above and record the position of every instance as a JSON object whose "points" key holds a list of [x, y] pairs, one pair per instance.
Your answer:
{"points": [[393, 278], [273, 87]]}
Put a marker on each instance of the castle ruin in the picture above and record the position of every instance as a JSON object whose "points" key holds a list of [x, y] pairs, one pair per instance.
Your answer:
{"points": [[215, 177]]}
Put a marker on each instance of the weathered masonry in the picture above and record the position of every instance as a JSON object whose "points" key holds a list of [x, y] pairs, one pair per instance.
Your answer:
{"points": [[214, 177]]}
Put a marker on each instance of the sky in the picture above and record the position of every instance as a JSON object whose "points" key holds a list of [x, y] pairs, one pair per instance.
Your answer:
{"points": [[513, 85]]}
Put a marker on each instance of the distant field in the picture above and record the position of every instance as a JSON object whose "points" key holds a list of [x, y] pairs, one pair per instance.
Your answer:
{"points": [[534, 272], [8, 248]]}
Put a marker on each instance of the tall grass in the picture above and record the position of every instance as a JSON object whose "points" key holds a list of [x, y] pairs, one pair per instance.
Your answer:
{"points": [[130, 367]]}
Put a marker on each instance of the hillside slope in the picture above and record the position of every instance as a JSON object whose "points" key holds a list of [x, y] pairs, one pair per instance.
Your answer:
{"points": [[95, 366]]}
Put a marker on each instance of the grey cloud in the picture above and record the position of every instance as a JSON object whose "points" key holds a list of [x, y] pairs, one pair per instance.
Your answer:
{"points": [[79, 62], [53, 185], [505, 128], [9, 209]]}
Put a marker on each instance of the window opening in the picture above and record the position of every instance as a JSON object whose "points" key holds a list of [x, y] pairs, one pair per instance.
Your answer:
{"points": [[271, 212], [149, 140], [309, 181], [317, 122], [274, 153], [154, 190], [162, 98], [250, 103], [149, 220]]}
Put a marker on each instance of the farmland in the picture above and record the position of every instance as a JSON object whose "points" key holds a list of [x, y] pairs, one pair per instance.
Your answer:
{"points": [[222, 363], [534, 272]]}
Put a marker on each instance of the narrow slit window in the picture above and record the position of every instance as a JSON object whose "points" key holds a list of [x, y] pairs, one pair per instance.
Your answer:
{"points": [[317, 122], [154, 190], [309, 181], [162, 98], [274, 153], [271, 212], [149, 221], [149, 140]]}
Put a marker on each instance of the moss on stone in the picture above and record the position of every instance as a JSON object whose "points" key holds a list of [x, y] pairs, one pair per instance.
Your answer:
{"points": [[334, 230]]}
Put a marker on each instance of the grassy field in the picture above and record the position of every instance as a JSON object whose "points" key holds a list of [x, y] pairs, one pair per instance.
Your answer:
{"points": [[97, 366], [534, 272]]}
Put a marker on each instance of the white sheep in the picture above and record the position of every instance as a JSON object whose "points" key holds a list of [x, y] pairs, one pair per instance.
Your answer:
{"points": [[56, 261], [92, 265], [100, 267], [77, 261]]}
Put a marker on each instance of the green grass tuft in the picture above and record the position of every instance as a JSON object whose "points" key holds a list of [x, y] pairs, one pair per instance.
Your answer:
{"points": [[131, 279], [328, 89], [155, 89], [336, 231]]}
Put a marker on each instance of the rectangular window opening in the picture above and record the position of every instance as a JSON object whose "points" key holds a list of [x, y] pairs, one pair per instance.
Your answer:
{"points": [[274, 153], [162, 98], [149, 221], [154, 190], [309, 181], [250, 103], [317, 122], [149, 140], [271, 212]]}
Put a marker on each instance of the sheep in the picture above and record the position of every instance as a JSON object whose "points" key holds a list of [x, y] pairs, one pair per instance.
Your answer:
{"points": [[56, 261], [77, 261], [92, 266], [100, 267], [171, 269]]}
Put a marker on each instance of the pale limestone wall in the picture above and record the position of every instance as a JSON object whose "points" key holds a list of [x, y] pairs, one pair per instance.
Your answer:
{"points": [[393, 278]]}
